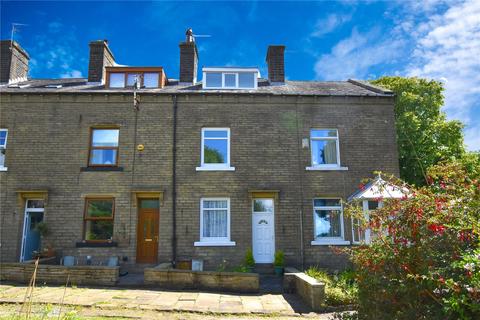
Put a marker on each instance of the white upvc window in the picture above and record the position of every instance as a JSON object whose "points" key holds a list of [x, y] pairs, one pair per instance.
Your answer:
{"points": [[325, 150], [328, 222], [3, 148], [214, 222], [117, 80], [215, 150], [360, 235], [230, 78]]}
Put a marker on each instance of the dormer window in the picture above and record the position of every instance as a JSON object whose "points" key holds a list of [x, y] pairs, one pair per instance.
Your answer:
{"points": [[124, 77], [230, 78]]}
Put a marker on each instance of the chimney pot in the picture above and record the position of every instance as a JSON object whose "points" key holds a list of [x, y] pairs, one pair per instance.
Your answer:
{"points": [[14, 62], [276, 64], [100, 57]]}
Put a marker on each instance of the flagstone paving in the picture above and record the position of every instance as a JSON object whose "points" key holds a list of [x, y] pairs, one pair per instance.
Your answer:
{"points": [[156, 300]]}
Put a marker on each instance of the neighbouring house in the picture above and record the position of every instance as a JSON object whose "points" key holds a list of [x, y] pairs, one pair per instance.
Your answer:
{"points": [[131, 163]]}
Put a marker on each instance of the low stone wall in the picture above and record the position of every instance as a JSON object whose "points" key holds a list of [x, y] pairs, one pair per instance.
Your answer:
{"points": [[309, 290], [55, 274], [207, 280]]}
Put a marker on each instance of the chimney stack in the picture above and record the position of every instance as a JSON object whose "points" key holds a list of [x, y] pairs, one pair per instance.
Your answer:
{"points": [[13, 62], [276, 64], [188, 59], [100, 57]]}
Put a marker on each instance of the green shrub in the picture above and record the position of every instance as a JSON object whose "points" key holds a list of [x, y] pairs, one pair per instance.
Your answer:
{"points": [[249, 259], [279, 259], [340, 289], [242, 268]]}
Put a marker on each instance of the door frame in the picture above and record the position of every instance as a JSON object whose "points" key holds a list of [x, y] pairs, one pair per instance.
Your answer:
{"points": [[273, 226], [26, 214], [139, 209]]}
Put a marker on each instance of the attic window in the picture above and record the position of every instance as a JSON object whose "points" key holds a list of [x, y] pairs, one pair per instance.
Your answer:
{"points": [[230, 78], [124, 77]]}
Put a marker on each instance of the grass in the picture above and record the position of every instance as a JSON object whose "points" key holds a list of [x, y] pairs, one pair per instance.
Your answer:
{"points": [[340, 289]]}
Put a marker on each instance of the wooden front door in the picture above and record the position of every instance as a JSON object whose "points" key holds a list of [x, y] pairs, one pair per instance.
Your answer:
{"points": [[147, 230]]}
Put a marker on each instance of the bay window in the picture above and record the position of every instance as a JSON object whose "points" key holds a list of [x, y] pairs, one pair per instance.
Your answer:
{"points": [[360, 233]]}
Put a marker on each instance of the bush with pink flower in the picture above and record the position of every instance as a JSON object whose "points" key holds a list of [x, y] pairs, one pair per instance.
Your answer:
{"points": [[424, 259]]}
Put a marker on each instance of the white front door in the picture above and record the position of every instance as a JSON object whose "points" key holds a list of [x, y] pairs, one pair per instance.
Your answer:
{"points": [[263, 223]]}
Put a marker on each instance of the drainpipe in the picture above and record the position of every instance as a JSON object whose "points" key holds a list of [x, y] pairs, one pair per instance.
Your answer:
{"points": [[300, 182], [174, 183]]}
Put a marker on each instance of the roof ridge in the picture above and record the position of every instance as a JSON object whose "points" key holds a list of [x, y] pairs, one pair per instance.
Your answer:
{"points": [[369, 86]]}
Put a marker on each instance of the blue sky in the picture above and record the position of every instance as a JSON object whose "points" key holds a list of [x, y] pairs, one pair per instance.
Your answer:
{"points": [[325, 40]]}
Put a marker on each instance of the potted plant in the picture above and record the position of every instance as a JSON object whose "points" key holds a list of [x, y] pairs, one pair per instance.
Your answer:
{"points": [[278, 262], [249, 260], [44, 231]]}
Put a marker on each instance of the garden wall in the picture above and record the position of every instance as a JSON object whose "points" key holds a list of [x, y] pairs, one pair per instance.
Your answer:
{"points": [[309, 289], [56, 274], [207, 280]]}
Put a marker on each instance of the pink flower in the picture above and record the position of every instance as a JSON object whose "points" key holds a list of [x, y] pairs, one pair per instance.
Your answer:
{"points": [[437, 228]]}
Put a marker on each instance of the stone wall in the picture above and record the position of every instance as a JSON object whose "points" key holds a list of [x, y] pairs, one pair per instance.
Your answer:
{"points": [[204, 280], [55, 274], [306, 287]]}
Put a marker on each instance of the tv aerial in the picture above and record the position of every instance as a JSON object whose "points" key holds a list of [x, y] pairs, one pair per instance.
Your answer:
{"points": [[190, 36]]}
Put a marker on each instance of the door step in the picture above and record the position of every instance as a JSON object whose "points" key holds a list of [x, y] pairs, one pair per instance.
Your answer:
{"points": [[136, 268], [264, 268]]}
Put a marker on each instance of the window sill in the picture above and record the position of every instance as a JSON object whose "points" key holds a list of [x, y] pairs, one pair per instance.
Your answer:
{"points": [[3, 169], [214, 244], [87, 169], [215, 168], [318, 168], [86, 244], [330, 243], [363, 243]]}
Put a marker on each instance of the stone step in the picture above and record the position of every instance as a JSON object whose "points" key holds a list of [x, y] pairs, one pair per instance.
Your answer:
{"points": [[264, 268], [136, 268]]}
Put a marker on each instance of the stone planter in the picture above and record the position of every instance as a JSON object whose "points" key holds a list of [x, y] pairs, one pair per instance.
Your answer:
{"points": [[205, 280]]}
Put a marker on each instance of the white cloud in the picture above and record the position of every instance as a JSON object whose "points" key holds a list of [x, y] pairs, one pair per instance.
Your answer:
{"points": [[434, 39], [448, 49], [354, 56], [328, 24], [72, 74], [54, 27], [55, 52]]}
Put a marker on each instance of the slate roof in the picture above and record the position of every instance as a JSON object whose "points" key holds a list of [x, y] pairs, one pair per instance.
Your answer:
{"points": [[316, 88]]}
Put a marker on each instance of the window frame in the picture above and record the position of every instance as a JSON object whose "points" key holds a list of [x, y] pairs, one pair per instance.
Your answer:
{"points": [[366, 212], [225, 71], [337, 147], [141, 71], [329, 240], [85, 218], [91, 148], [263, 212], [224, 85], [4, 148], [214, 166], [215, 241]]}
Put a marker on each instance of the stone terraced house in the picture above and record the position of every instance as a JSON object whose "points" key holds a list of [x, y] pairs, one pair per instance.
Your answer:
{"points": [[134, 164]]}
